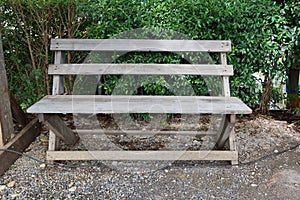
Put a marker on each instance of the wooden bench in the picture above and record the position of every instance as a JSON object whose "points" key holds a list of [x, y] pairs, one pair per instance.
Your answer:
{"points": [[57, 103]]}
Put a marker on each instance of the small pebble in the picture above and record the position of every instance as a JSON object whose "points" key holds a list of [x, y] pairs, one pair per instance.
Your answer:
{"points": [[70, 185], [43, 166], [14, 195], [11, 184], [254, 185], [72, 189], [2, 187]]}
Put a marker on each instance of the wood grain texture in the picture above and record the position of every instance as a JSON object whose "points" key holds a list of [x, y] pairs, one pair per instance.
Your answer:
{"points": [[6, 120], [58, 127], [58, 80], [19, 143], [139, 104], [140, 45], [225, 78], [232, 146], [138, 69], [226, 131], [142, 155]]}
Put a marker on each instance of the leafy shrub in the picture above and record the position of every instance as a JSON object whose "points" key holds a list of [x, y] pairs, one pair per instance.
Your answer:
{"points": [[259, 31]]}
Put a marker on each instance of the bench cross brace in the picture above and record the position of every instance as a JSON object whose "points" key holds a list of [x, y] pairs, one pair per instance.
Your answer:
{"points": [[59, 128]]}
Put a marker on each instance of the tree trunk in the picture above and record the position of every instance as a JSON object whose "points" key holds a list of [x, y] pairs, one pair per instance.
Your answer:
{"points": [[266, 95]]}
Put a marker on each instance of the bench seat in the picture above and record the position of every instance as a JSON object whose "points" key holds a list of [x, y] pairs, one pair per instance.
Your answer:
{"points": [[52, 104]]}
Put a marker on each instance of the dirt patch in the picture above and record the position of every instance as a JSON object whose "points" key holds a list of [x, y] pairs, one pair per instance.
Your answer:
{"points": [[286, 183]]}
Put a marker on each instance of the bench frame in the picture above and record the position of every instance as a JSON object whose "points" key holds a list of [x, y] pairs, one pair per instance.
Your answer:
{"points": [[58, 130]]}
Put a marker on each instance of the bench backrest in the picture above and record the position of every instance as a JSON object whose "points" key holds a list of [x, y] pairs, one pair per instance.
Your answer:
{"points": [[60, 46]]}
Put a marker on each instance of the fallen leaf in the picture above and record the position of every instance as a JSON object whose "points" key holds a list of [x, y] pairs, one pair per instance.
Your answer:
{"points": [[44, 140]]}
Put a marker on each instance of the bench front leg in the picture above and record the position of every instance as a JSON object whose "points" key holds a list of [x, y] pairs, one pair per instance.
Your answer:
{"points": [[54, 141]]}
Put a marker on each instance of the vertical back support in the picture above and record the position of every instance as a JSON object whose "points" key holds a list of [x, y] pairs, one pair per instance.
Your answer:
{"points": [[58, 80], [225, 79], [58, 88]]}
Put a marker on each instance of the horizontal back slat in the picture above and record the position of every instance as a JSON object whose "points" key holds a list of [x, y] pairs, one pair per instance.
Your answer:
{"points": [[141, 45], [154, 69]]}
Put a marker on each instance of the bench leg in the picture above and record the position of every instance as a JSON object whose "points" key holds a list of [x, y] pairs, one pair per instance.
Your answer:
{"points": [[228, 126], [232, 146], [53, 142], [227, 134]]}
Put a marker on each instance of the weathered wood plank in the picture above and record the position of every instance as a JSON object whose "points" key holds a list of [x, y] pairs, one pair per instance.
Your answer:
{"points": [[58, 127], [140, 45], [139, 104], [225, 78], [6, 120], [142, 132], [19, 143], [58, 80], [142, 155], [155, 69], [226, 87]]}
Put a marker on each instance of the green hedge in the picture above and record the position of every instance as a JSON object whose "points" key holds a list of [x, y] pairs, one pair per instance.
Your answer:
{"points": [[258, 31]]}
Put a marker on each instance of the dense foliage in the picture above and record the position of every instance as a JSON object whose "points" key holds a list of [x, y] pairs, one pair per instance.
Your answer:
{"points": [[263, 33]]}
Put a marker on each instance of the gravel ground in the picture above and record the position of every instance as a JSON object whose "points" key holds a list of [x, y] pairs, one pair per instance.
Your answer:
{"points": [[275, 177]]}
